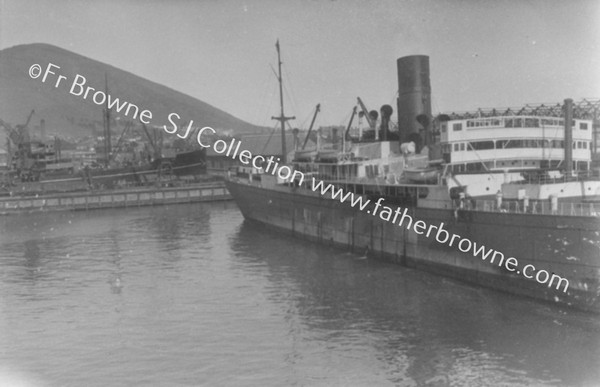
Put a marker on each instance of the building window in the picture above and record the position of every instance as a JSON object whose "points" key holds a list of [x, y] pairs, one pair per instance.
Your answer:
{"points": [[482, 145], [456, 147], [474, 167], [457, 126], [532, 123], [583, 125], [513, 123], [458, 168], [462, 146]]}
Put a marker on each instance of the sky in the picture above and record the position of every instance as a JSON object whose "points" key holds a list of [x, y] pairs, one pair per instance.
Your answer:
{"points": [[482, 53]]}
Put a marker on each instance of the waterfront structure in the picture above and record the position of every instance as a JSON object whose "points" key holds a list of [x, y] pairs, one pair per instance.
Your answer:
{"points": [[122, 198]]}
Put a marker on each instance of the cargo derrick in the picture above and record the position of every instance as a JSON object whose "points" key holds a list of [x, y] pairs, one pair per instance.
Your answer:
{"points": [[26, 158]]}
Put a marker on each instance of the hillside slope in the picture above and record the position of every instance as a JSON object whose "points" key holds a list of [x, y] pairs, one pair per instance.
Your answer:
{"points": [[69, 115]]}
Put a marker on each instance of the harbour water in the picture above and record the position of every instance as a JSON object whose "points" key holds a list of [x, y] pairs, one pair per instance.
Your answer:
{"points": [[188, 295]]}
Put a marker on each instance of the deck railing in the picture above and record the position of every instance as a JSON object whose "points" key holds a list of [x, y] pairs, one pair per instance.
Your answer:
{"points": [[533, 207], [590, 175]]}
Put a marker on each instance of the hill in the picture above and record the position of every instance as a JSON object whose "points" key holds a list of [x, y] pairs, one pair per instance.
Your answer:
{"points": [[69, 115]]}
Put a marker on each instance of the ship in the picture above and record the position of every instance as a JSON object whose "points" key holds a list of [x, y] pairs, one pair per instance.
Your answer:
{"points": [[37, 165], [521, 183]]}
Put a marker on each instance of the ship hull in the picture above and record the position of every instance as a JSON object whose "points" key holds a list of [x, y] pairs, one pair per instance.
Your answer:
{"points": [[190, 163], [565, 245]]}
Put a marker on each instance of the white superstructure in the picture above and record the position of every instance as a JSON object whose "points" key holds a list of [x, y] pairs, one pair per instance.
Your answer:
{"points": [[483, 153]]}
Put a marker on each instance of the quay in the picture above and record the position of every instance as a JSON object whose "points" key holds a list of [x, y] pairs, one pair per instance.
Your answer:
{"points": [[115, 198]]}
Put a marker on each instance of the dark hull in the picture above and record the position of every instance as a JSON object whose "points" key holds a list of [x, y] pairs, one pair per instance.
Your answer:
{"points": [[190, 163], [123, 173], [548, 242]]}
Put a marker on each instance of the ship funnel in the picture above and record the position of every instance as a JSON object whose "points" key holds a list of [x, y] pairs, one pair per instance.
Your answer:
{"points": [[386, 114], [374, 115], [568, 137], [414, 100]]}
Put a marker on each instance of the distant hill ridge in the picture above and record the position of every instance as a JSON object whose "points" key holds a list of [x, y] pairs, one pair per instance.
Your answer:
{"points": [[68, 115]]}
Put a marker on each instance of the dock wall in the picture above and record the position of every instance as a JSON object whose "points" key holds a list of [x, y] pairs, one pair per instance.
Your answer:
{"points": [[133, 197]]}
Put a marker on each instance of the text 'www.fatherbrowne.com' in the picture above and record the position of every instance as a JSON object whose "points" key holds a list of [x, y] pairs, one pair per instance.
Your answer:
{"points": [[400, 217]]}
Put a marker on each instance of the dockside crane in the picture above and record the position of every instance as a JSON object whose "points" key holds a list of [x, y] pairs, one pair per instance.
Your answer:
{"points": [[19, 137], [19, 134]]}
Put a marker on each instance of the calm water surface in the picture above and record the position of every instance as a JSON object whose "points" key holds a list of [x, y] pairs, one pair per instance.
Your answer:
{"points": [[193, 295]]}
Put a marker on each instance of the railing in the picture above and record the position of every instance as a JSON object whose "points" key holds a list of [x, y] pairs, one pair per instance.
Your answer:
{"points": [[588, 175], [533, 207], [584, 109]]}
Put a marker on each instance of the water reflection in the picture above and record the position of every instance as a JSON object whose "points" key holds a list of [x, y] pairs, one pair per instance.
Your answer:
{"points": [[425, 329], [192, 295]]}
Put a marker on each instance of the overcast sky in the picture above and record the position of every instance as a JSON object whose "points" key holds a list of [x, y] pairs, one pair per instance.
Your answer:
{"points": [[482, 53]]}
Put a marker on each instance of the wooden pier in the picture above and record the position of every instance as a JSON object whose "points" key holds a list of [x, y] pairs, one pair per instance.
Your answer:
{"points": [[116, 198]]}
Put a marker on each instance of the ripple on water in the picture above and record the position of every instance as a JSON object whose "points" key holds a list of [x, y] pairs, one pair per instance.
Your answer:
{"points": [[192, 295]]}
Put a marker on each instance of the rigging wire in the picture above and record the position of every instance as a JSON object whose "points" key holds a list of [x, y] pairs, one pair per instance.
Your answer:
{"points": [[269, 108], [290, 93], [269, 139], [308, 117], [286, 93], [265, 104]]}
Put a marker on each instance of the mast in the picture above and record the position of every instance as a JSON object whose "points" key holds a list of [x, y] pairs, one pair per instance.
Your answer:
{"points": [[107, 140], [282, 118]]}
